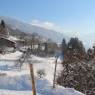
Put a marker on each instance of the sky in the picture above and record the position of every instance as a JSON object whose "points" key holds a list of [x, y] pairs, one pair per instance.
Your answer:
{"points": [[71, 17]]}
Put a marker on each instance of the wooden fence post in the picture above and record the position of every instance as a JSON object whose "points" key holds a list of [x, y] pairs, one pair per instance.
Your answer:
{"points": [[54, 80], [32, 79]]}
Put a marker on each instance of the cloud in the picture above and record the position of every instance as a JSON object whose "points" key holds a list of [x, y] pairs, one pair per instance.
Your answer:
{"points": [[47, 25], [53, 26]]}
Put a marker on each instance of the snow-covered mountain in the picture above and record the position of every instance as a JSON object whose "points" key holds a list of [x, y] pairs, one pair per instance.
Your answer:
{"points": [[27, 28]]}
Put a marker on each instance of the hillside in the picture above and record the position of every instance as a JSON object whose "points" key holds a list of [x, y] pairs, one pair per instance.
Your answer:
{"points": [[17, 25]]}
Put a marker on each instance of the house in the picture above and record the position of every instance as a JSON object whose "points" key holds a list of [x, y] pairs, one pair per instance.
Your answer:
{"points": [[5, 42]]}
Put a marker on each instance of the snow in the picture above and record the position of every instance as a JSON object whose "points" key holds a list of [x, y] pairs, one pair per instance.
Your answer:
{"points": [[11, 56], [8, 92], [12, 38], [18, 82]]}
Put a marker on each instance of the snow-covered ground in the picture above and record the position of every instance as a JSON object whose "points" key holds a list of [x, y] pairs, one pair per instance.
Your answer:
{"points": [[14, 81], [12, 56]]}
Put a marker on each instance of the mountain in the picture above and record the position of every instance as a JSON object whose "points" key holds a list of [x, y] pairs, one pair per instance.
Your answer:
{"points": [[27, 28]]}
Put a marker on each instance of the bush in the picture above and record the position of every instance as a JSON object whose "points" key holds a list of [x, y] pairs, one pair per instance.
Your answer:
{"points": [[41, 73], [80, 76]]}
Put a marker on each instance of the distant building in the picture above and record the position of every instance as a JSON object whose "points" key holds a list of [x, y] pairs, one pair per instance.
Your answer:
{"points": [[5, 42]]}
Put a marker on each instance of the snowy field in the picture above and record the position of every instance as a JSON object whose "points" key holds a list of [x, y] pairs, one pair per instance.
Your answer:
{"points": [[14, 81]]}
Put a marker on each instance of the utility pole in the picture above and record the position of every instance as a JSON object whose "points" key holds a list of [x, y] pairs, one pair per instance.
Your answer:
{"points": [[32, 79]]}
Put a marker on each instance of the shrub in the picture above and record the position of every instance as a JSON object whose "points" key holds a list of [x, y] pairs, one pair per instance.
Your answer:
{"points": [[41, 73]]}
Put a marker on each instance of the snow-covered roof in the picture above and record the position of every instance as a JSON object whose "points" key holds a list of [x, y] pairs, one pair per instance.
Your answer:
{"points": [[11, 56], [12, 38]]}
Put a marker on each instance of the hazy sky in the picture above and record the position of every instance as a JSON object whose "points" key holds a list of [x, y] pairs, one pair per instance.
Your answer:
{"points": [[72, 17]]}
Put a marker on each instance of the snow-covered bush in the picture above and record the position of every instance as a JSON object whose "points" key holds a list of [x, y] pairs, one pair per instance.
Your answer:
{"points": [[41, 73], [80, 76], [78, 67]]}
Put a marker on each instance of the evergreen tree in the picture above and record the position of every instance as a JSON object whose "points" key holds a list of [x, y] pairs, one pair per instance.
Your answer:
{"points": [[64, 46], [75, 48], [90, 54], [3, 23]]}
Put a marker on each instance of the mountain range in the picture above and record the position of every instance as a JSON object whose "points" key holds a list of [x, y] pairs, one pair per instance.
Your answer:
{"points": [[20, 26]]}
